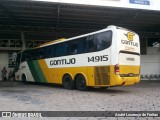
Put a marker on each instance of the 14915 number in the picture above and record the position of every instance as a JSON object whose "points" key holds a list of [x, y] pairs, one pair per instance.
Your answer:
{"points": [[98, 58]]}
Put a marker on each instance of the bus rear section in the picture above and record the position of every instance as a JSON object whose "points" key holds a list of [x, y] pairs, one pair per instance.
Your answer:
{"points": [[127, 64]]}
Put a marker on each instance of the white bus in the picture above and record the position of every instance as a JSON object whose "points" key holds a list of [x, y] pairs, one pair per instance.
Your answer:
{"points": [[105, 58]]}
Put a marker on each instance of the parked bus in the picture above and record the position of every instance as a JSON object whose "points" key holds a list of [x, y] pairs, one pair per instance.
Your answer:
{"points": [[105, 58]]}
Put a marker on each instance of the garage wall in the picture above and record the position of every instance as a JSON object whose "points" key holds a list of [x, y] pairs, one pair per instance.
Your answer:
{"points": [[150, 63], [4, 62]]}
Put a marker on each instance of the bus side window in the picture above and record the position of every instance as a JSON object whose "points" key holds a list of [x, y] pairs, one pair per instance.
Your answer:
{"points": [[23, 57], [31, 57], [34, 55], [18, 59], [90, 44], [28, 55], [40, 54], [75, 46], [103, 40], [50, 51], [80, 43], [72, 48], [45, 52], [61, 49]]}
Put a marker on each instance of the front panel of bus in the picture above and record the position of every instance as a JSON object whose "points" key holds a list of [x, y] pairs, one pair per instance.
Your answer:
{"points": [[126, 66]]}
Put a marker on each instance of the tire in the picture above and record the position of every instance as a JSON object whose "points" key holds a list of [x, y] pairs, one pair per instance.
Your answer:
{"points": [[81, 83], [24, 78], [67, 82], [103, 88]]}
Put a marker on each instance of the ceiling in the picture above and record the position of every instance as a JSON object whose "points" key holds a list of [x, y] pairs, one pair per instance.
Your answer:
{"points": [[68, 20]]}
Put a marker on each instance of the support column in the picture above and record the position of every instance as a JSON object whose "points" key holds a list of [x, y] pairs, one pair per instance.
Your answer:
{"points": [[23, 41], [146, 45]]}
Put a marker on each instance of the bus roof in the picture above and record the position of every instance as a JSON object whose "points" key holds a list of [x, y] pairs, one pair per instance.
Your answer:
{"points": [[48, 43]]}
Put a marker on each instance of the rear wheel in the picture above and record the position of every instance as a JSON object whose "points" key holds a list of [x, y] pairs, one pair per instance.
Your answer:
{"points": [[103, 88], [67, 82], [81, 83]]}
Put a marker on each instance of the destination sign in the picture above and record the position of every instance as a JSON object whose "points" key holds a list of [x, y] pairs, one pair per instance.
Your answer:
{"points": [[141, 2]]}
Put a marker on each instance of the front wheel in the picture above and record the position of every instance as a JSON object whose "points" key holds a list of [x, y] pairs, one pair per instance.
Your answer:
{"points": [[81, 83]]}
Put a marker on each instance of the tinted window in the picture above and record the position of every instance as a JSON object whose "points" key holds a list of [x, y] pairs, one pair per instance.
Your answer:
{"points": [[17, 62], [72, 48], [40, 53], [90, 44], [75, 46], [25, 56], [103, 40], [18, 59], [50, 51], [61, 49], [33, 54]]}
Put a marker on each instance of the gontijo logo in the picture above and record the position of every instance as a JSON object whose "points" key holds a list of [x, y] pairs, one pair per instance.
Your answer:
{"points": [[130, 35], [129, 42]]}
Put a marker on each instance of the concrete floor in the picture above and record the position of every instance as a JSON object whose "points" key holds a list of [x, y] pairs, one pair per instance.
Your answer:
{"points": [[144, 96]]}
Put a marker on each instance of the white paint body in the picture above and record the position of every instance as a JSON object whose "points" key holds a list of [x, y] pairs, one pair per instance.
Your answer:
{"points": [[112, 52]]}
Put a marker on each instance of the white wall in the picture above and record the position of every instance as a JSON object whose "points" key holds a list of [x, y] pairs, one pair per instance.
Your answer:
{"points": [[3, 59], [150, 63], [153, 4], [4, 62]]}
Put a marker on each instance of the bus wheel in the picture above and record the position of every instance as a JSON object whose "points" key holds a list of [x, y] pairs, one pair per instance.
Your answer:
{"points": [[23, 78], [103, 88], [81, 83], [67, 82]]}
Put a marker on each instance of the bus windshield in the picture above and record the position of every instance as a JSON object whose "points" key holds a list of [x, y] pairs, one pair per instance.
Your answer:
{"points": [[18, 60]]}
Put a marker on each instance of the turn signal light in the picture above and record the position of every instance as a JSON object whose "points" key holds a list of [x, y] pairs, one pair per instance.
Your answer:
{"points": [[116, 69]]}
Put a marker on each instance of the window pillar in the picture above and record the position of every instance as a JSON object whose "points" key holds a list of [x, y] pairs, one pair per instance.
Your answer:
{"points": [[23, 41]]}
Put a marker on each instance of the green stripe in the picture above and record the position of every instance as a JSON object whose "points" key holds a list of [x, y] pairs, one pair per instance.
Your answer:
{"points": [[36, 71]]}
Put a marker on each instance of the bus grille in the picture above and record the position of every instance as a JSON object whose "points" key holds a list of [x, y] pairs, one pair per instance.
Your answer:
{"points": [[102, 75]]}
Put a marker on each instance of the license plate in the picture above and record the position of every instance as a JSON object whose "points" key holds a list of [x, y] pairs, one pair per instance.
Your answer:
{"points": [[130, 74]]}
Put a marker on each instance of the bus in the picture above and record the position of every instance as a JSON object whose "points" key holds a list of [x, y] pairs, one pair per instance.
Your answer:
{"points": [[105, 58]]}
